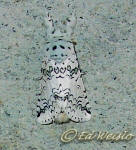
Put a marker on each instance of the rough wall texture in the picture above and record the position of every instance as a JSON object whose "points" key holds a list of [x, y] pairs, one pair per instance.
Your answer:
{"points": [[106, 49]]}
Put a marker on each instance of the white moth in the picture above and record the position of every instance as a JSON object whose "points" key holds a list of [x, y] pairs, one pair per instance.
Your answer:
{"points": [[63, 96]]}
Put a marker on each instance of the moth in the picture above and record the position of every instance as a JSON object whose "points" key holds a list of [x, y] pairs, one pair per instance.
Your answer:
{"points": [[63, 96]]}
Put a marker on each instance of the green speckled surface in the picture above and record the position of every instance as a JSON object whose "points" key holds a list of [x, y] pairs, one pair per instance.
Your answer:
{"points": [[106, 49]]}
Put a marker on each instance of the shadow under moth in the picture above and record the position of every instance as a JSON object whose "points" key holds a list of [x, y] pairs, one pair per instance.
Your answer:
{"points": [[63, 95]]}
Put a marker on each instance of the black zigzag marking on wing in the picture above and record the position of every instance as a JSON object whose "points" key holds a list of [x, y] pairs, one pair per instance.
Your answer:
{"points": [[43, 105], [59, 77]]}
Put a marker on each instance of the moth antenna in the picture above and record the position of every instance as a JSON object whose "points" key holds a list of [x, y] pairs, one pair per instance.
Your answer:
{"points": [[49, 22], [71, 23], [51, 31]]}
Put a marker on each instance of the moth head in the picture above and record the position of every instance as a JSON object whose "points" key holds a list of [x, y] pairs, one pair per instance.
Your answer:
{"points": [[56, 32], [60, 44]]}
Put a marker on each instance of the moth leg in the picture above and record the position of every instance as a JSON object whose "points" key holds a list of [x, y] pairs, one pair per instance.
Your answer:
{"points": [[49, 23], [44, 112], [71, 22]]}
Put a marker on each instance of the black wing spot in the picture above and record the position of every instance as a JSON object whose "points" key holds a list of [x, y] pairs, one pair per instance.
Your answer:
{"points": [[68, 20], [88, 111], [47, 49], [62, 47], [53, 31], [69, 48], [54, 47]]}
